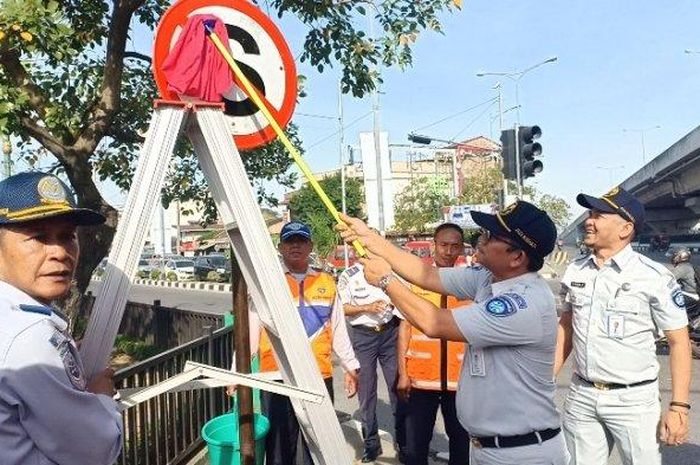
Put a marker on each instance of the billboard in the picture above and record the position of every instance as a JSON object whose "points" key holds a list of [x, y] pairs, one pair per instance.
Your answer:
{"points": [[461, 214]]}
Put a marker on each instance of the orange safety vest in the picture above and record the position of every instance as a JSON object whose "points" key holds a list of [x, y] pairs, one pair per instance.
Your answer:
{"points": [[434, 364], [315, 296]]}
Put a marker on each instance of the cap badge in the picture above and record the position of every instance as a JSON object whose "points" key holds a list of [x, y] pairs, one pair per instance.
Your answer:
{"points": [[51, 190], [294, 226], [509, 209], [613, 192]]}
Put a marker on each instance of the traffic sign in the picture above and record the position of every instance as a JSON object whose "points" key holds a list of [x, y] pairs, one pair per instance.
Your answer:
{"points": [[259, 49]]}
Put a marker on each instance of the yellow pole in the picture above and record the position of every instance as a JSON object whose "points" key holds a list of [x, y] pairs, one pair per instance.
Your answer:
{"points": [[303, 166]]}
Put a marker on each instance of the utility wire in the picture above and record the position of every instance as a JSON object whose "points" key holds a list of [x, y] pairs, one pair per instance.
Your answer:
{"points": [[310, 115], [357, 120], [491, 100], [473, 121]]}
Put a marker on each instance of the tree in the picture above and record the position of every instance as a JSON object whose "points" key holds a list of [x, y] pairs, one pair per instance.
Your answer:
{"points": [[419, 204], [69, 84], [305, 206], [324, 237], [557, 209], [482, 186]]}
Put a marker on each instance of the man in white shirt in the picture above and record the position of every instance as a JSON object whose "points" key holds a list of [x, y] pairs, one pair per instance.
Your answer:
{"points": [[374, 333], [615, 301]]}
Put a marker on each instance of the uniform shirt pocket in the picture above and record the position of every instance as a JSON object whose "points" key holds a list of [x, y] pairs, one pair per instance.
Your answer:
{"points": [[626, 310], [625, 305], [580, 298]]}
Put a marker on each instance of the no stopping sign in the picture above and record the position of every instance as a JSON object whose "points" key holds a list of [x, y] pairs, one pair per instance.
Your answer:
{"points": [[260, 50]]}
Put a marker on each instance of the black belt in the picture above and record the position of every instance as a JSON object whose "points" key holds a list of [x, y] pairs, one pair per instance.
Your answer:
{"points": [[609, 386], [379, 328], [502, 442]]}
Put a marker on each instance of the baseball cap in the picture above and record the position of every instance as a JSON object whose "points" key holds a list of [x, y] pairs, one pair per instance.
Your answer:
{"points": [[617, 201], [295, 228], [34, 195], [528, 226]]}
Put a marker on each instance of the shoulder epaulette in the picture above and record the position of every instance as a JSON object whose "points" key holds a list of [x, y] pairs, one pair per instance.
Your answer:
{"points": [[654, 265], [42, 309]]}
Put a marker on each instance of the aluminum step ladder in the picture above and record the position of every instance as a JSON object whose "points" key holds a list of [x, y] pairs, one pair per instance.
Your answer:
{"points": [[236, 202]]}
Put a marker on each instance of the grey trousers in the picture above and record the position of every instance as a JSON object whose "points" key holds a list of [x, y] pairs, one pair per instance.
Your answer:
{"points": [[595, 420], [372, 347]]}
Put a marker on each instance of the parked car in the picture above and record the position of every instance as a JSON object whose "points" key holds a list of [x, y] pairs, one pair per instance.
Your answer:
{"points": [[205, 264], [144, 268], [183, 269], [337, 258]]}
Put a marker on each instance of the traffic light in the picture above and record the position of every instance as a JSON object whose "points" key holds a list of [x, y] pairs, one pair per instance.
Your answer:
{"points": [[528, 149], [510, 167], [419, 139]]}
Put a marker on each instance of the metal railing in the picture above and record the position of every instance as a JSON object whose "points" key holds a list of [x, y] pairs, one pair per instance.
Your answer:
{"points": [[166, 429], [163, 327]]}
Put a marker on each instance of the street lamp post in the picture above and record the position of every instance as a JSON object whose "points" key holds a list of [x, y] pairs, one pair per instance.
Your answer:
{"points": [[516, 76], [642, 131], [610, 170], [341, 141], [377, 143]]}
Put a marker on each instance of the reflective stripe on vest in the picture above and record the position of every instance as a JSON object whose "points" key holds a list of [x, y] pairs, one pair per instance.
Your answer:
{"points": [[432, 385], [423, 357], [315, 296]]}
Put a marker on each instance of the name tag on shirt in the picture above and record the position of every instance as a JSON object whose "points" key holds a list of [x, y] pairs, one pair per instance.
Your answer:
{"points": [[616, 326], [477, 367]]}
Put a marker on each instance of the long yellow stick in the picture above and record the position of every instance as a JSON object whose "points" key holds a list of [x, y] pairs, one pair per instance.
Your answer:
{"points": [[303, 166]]}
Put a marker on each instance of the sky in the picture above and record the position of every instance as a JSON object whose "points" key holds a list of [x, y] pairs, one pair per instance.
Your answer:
{"points": [[621, 67]]}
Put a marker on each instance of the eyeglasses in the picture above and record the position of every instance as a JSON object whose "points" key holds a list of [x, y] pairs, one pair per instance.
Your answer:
{"points": [[488, 235]]}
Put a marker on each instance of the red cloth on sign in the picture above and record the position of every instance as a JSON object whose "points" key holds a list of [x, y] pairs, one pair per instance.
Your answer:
{"points": [[194, 66]]}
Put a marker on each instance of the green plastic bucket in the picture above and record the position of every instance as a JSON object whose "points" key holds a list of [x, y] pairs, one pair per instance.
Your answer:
{"points": [[221, 436]]}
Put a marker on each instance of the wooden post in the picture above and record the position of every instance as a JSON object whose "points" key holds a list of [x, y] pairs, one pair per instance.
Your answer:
{"points": [[241, 341], [161, 323]]}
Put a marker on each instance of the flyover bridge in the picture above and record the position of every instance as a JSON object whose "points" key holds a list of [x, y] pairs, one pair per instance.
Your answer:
{"points": [[669, 188]]}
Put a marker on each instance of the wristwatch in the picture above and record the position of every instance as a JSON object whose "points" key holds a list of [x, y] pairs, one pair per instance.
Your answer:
{"points": [[384, 281]]}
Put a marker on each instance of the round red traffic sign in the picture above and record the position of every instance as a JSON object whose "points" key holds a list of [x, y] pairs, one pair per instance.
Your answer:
{"points": [[261, 52]]}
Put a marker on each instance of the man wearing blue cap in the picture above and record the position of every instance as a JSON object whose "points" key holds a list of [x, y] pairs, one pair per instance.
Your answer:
{"points": [[49, 412], [314, 291], [505, 393], [614, 301]]}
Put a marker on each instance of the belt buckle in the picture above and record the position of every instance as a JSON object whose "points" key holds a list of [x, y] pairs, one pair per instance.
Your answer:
{"points": [[601, 386], [476, 443]]}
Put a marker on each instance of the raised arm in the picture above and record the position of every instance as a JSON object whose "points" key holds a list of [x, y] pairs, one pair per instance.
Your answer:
{"points": [[405, 264], [431, 320]]}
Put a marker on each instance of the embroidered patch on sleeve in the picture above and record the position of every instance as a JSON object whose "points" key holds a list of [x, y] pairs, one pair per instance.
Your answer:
{"points": [[678, 298], [501, 306]]}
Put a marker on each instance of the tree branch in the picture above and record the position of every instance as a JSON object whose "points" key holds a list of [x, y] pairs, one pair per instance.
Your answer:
{"points": [[38, 102], [108, 105], [137, 56], [44, 137]]}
